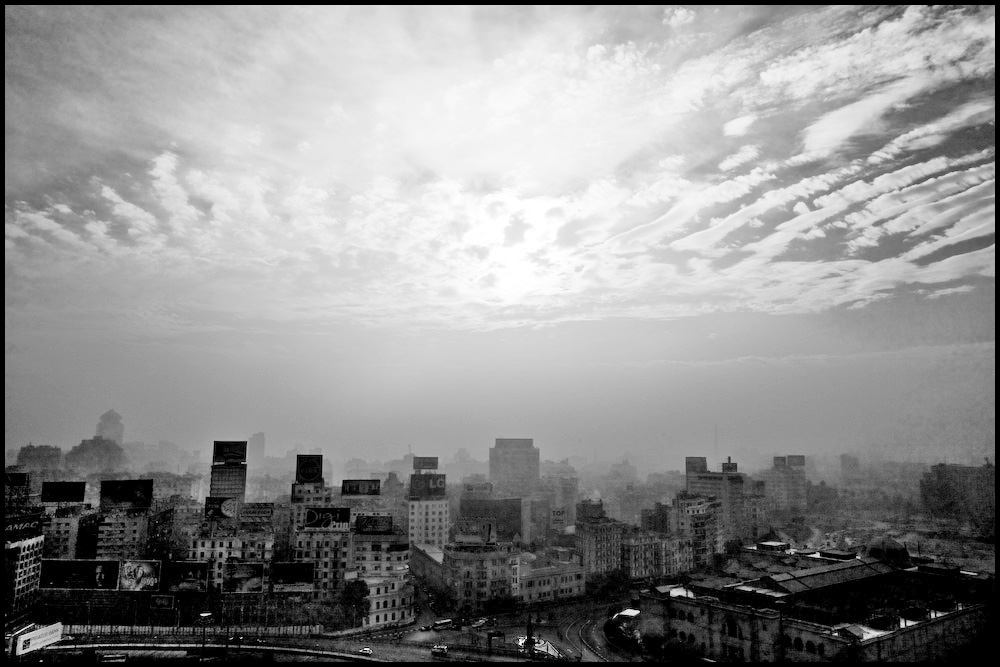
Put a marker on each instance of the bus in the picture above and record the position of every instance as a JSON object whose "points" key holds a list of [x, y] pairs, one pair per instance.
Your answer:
{"points": [[443, 624]]}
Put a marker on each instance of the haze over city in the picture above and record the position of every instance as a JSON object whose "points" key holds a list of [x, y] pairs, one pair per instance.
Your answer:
{"points": [[643, 231]]}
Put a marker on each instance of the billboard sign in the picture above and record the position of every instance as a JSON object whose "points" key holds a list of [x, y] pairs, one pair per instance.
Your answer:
{"points": [[139, 575], [360, 487], [16, 479], [796, 461], [126, 494], [368, 524], [425, 463], [327, 518], [558, 517], [36, 639], [427, 486], [63, 492], [185, 576], [229, 451], [256, 512], [243, 578], [292, 577], [221, 508], [161, 602], [80, 574], [308, 468], [476, 530], [22, 526]]}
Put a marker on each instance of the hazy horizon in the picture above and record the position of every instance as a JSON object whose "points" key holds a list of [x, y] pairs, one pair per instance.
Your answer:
{"points": [[647, 231]]}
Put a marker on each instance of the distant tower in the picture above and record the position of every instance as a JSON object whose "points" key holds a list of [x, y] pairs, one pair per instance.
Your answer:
{"points": [[255, 452], [515, 466], [111, 427]]}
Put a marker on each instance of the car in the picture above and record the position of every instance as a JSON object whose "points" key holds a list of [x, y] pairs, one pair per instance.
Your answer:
{"points": [[366, 650], [425, 628], [478, 623], [439, 649]]}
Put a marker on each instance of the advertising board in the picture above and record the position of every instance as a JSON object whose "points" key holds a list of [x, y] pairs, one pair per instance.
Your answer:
{"points": [[185, 576], [221, 508], [425, 463], [558, 517], [229, 451], [63, 492], [327, 518], [36, 639], [139, 575], [427, 486], [161, 602], [80, 574], [292, 577], [22, 526], [308, 468], [360, 487], [126, 494], [368, 524], [243, 578]]}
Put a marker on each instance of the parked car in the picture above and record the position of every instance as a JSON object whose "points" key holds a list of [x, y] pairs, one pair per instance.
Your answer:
{"points": [[478, 623]]}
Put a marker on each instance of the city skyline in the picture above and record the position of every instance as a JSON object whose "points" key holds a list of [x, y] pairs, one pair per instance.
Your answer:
{"points": [[644, 230]]}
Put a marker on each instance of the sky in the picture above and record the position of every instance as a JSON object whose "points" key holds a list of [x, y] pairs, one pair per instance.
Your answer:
{"points": [[625, 232]]}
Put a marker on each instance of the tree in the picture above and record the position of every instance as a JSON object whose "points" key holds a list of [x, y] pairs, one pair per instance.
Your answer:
{"points": [[354, 600]]}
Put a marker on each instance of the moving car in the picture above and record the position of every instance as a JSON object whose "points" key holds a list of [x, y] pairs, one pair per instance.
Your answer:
{"points": [[367, 650], [478, 623], [439, 649]]}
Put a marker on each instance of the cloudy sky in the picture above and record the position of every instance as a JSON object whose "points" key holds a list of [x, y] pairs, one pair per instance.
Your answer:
{"points": [[646, 232]]}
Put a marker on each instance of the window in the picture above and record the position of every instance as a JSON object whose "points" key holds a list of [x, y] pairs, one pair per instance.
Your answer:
{"points": [[797, 643]]}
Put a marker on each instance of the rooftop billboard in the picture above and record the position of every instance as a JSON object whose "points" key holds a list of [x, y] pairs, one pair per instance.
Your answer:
{"points": [[360, 487], [327, 518], [126, 494], [427, 486], [63, 492], [229, 451], [308, 468], [425, 463]]}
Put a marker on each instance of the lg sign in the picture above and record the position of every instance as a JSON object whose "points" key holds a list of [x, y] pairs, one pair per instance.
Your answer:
{"points": [[427, 486]]}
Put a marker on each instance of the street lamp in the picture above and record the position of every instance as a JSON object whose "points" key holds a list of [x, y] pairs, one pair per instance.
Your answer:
{"points": [[204, 618]]}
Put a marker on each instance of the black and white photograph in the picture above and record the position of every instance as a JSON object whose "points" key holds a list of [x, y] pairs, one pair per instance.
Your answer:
{"points": [[573, 333]]}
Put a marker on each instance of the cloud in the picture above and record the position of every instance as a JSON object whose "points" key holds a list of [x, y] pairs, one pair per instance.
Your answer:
{"points": [[676, 17]]}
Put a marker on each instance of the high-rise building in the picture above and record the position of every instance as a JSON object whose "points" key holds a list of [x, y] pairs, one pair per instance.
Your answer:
{"points": [[229, 470], [22, 564], [429, 517], [110, 427], [514, 466], [728, 488], [785, 484], [256, 453]]}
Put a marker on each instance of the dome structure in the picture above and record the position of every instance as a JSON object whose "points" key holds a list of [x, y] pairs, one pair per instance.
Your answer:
{"points": [[889, 551]]}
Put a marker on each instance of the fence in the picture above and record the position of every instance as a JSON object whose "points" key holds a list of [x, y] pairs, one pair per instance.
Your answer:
{"points": [[191, 630]]}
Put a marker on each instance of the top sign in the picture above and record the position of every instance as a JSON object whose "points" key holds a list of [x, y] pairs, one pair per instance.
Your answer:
{"points": [[229, 451], [360, 487], [425, 463], [308, 468]]}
